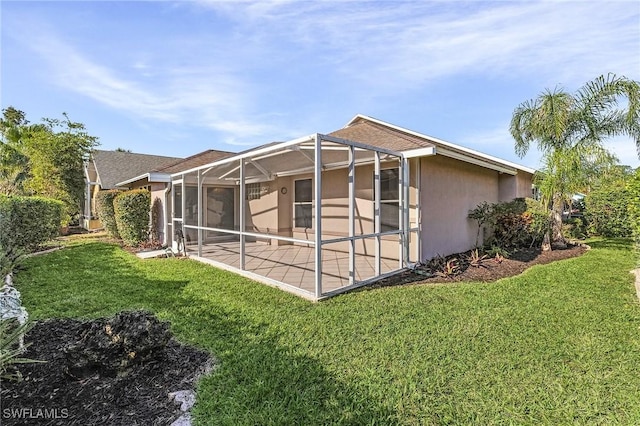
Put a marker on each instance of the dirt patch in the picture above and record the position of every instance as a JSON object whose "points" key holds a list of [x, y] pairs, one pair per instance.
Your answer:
{"points": [[488, 270], [88, 380]]}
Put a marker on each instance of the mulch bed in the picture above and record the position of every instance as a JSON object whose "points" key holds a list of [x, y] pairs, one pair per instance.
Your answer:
{"points": [[490, 270], [54, 393]]}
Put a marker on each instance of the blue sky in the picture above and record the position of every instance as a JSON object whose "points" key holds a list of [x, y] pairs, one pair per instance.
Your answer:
{"points": [[175, 78]]}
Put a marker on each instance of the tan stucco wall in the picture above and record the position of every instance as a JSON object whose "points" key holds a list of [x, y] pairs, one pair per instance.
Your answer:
{"points": [[335, 211], [518, 186], [449, 189], [157, 191]]}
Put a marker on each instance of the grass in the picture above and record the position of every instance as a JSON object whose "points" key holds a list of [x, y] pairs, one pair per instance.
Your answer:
{"points": [[559, 344]]}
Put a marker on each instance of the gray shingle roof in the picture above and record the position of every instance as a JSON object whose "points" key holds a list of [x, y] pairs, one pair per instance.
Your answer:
{"points": [[375, 134], [115, 166], [200, 159]]}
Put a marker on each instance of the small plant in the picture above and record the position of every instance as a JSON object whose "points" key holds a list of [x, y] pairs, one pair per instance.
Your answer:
{"points": [[10, 260], [496, 250], [476, 260], [450, 269], [498, 258], [11, 349]]}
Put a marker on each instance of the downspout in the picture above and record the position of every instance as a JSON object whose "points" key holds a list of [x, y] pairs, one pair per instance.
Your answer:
{"points": [[165, 205]]}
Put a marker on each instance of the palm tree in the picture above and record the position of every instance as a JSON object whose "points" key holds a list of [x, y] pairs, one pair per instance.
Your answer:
{"points": [[570, 130]]}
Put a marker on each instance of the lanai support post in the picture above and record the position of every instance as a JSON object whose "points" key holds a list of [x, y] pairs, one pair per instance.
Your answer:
{"points": [[200, 213], [405, 211], [317, 174], [352, 220], [183, 207], [376, 211], [242, 215]]}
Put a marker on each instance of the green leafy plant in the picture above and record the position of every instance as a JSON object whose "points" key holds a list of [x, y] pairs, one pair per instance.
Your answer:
{"points": [[476, 260], [483, 215], [494, 251], [132, 215], [521, 223], [11, 350], [156, 225], [450, 269], [10, 260], [28, 222], [106, 212]]}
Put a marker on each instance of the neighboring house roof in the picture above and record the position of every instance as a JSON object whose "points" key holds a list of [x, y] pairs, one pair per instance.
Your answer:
{"points": [[113, 167], [163, 174], [386, 135]]}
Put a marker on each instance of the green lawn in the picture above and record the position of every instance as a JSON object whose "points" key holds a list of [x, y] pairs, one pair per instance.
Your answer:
{"points": [[559, 344]]}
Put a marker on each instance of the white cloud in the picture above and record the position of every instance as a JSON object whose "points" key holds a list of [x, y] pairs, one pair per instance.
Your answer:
{"points": [[203, 95], [401, 44]]}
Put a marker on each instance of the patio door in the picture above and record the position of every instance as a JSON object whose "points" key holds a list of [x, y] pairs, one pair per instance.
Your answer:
{"points": [[220, 213]]}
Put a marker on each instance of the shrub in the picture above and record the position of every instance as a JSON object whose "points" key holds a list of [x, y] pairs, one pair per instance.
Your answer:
{"points": [[156, 224], [132, 215], [575, 228], [607, 212], [633, 209], [516, 224], [106, 213], [28, 222]]}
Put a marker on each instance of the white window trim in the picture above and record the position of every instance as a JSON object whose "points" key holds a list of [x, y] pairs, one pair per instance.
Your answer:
{"points": [[301, 203]]}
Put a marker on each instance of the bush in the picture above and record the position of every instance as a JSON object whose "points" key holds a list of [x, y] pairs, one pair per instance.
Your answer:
{"points": [[28, 222], [132, 215], [633, 208], [607, 213], [106, 212], [516, 224]]}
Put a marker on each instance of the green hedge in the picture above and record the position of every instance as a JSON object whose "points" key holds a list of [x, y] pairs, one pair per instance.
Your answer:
{"points": [[132, 216], [633, 208], [106, 212], [607, 212], [28, 222]]}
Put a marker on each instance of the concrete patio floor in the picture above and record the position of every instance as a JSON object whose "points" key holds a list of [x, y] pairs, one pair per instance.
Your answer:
{"points": [[294, 264]]}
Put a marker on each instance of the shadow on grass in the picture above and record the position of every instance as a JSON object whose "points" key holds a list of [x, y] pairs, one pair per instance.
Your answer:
{"points": [[260, 380], [625, 244]]}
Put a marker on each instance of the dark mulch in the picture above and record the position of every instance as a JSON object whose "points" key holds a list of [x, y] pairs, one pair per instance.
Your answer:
{"points": [[489, 269], [53, 393]]}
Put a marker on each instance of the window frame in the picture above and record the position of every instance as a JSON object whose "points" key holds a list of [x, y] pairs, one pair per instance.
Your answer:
{"points": [[302, 203], [384, 225]]}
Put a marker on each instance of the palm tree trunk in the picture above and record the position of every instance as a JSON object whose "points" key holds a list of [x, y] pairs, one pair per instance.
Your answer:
{"points": [[556, 224]]}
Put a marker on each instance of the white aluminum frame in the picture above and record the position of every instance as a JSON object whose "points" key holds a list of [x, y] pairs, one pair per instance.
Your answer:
{"points": [[317, 167]]}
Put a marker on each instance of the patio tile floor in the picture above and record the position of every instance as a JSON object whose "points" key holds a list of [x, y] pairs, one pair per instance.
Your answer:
{"points": [[294, 264]]}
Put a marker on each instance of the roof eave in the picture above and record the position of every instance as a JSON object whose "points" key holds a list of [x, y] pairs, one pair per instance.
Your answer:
{"points": [[465, 152]]}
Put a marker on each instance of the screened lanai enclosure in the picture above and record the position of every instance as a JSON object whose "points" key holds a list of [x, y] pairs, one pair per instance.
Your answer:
{"points": [[315, 216]]}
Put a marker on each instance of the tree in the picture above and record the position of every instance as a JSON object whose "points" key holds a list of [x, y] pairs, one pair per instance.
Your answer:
{"points": [[14, 164], [49, 156], [570, 130]]}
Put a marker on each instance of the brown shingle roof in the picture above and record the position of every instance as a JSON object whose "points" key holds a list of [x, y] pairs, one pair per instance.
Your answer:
{"points": [[116, 166], [375, 134], [200, 159]]}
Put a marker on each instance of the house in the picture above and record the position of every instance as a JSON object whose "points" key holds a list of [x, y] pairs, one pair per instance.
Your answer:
{"points": [[158, 182], [389, 197], [104, 170]]}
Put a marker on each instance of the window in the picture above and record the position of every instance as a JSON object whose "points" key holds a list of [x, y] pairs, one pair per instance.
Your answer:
{"points": [[302, 204], [389, 200], [253, 191], [177, 201]]}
